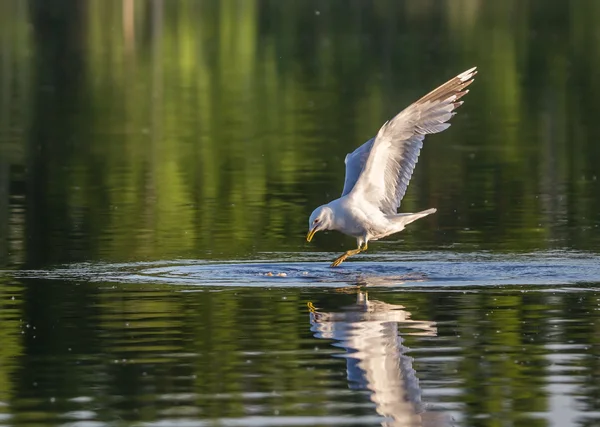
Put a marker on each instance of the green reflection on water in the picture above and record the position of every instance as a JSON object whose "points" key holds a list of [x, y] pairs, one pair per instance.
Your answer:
{"points": [[142, 130], [147, 353], [160, 129], [10, 336]]}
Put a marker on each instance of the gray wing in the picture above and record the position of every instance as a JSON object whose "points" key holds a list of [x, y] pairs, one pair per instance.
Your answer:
{"points": [[385, 174], [355, 162]]}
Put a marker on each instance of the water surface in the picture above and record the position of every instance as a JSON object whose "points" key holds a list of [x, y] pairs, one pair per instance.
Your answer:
{"points": [[158, 163]]}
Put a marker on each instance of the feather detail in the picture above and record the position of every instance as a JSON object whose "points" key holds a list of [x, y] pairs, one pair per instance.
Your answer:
{"points": [[382, 167]]}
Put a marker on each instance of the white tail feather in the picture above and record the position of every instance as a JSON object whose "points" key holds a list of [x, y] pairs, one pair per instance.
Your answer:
{"points": [[404, 219]]}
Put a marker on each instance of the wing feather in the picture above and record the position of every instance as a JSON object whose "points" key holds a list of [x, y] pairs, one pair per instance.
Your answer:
{"points": [[380, 170], [355, 162]]}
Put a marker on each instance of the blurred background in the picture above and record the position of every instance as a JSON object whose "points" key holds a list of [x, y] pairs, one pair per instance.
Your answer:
{"points": [[137, 131], [211, 129]]}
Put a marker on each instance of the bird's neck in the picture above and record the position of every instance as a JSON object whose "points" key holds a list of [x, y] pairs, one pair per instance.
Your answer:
{"points": [[337, 222]]}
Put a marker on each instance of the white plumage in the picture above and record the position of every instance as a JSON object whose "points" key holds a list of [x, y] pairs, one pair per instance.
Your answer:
{"points": [[378, 172]]}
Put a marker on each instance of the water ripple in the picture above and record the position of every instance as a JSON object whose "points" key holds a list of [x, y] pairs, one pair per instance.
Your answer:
{"points": [[415, 270]]}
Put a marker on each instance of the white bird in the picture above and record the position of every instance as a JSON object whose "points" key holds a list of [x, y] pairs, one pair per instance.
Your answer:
{"points": [[379, 171]]}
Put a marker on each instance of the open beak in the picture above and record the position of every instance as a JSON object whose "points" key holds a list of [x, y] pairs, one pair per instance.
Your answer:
{"points": [[311, 234]]}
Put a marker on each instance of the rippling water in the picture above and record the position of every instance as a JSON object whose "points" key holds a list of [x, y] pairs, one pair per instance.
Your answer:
{"points": [[417, 269], [435, 340], [158, 163]]}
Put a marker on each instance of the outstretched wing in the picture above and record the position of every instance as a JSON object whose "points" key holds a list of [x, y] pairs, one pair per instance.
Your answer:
{"points": [[355, 162], [384, 165]]}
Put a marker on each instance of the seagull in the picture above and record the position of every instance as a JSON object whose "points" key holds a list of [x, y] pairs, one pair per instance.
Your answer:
{"points": [[379, 171]]}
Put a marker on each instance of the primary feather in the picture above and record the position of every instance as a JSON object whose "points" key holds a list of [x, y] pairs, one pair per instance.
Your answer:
{"points": [[381, 168]]}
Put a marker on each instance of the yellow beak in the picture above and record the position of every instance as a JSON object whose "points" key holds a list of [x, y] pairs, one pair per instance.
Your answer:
{"points": [[311, 234]]}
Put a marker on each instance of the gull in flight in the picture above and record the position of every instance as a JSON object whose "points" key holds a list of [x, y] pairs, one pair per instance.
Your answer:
{"points": [[379, 171]]}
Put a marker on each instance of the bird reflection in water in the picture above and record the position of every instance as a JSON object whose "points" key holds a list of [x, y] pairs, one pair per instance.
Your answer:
{"points": [[375, 357]]}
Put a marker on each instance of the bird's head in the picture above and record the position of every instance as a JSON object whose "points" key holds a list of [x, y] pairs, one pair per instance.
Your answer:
{"points": [[320, 219]]}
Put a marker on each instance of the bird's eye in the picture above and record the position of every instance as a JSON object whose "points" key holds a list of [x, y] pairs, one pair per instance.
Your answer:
{"points": [[316, 220]]}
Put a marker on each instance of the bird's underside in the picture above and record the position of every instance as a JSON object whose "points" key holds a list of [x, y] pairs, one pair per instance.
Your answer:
{"points": [[379, 171], [396, 224]]}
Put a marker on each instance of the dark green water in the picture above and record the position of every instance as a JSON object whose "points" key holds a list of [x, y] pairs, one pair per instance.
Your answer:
{"points": [[158, 163]]}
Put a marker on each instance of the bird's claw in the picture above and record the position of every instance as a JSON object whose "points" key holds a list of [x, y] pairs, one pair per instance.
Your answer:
{"points": [[339, 260]]}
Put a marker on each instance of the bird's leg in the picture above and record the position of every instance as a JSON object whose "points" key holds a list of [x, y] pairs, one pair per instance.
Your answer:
{"points": [[343, 257], [346, 254]]}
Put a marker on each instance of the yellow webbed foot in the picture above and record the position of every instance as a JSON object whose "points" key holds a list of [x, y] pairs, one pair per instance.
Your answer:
{"points": [[339, 260]]}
